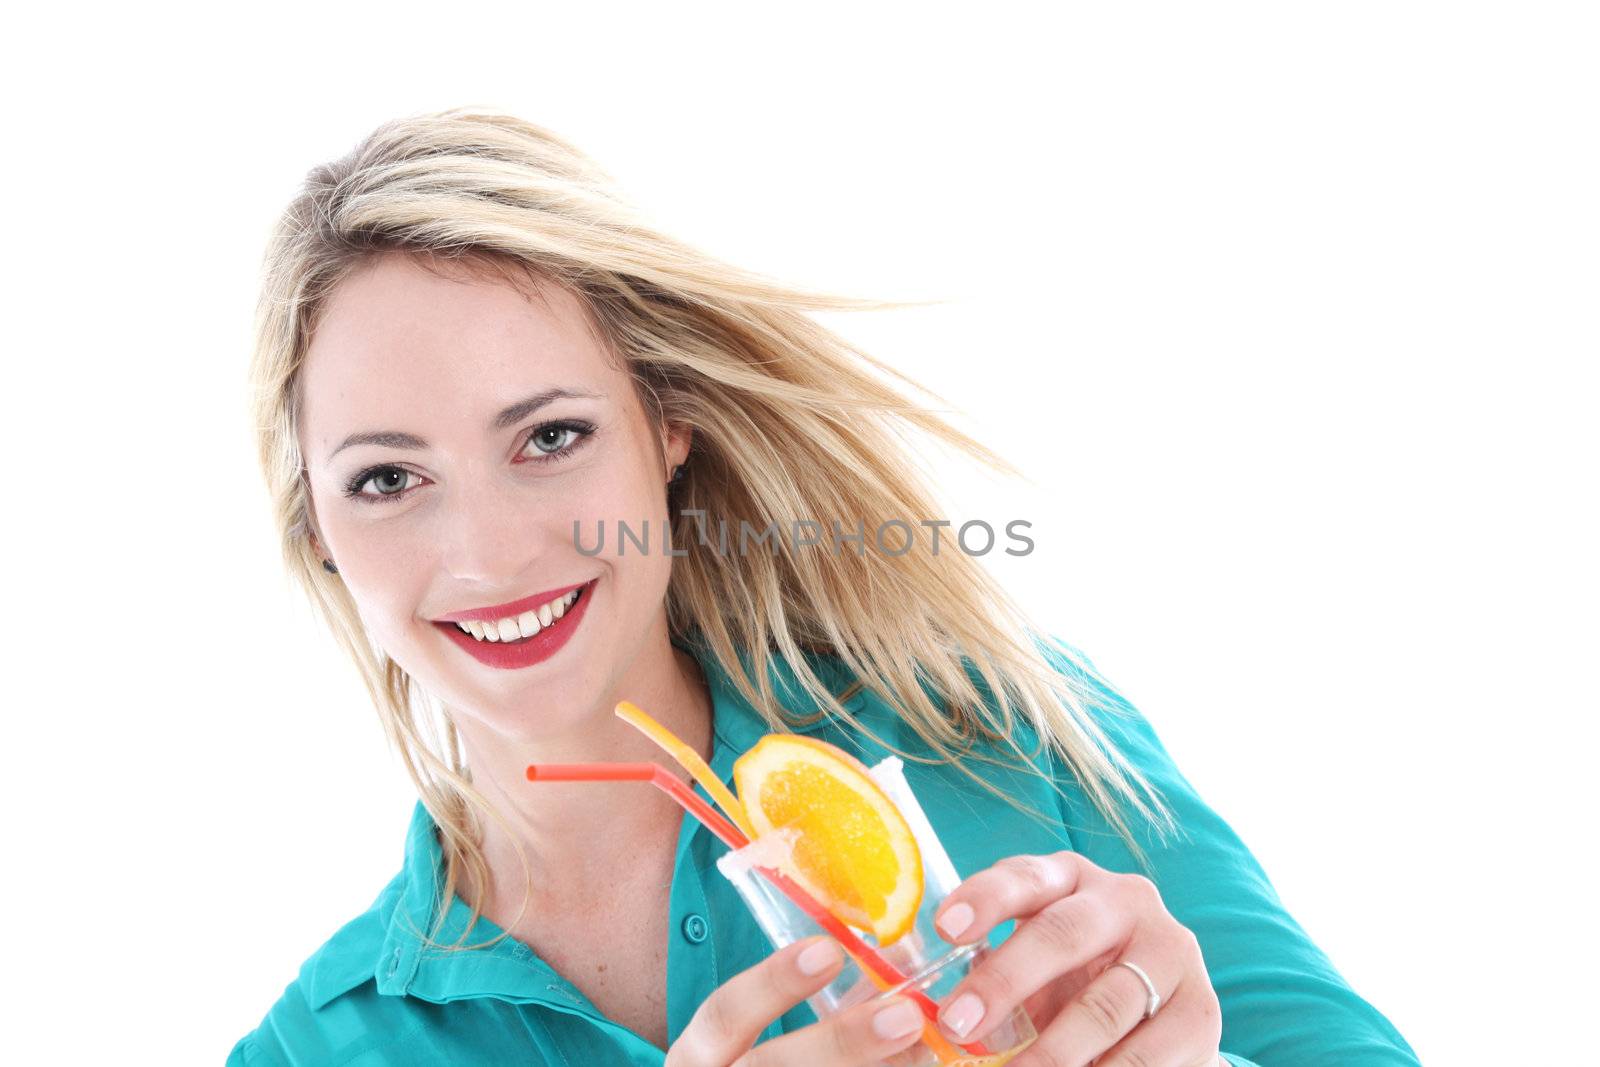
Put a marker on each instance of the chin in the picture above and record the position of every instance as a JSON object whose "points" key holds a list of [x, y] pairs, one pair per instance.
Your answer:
{"points": [[530, 713], [535, 724]]}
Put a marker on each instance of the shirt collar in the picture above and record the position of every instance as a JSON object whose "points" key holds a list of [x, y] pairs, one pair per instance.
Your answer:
{"points": [[737, 725]]}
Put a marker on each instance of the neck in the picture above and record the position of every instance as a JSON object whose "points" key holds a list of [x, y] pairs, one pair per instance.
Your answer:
{"points": [[577, 835]]}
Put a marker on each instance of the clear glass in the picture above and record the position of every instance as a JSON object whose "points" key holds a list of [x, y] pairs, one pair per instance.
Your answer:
{"points": [[932, 965]]}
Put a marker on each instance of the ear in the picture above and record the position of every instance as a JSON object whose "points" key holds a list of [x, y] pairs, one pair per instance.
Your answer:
{"points": [[675, 440], [313, 534]]}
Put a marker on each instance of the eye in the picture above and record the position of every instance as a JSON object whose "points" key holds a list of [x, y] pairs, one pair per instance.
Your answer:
{"points": [[391, 483], [556, 440]]}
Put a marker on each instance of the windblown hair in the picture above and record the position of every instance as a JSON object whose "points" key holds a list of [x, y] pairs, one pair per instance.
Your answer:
{"points": [[788, 421]]}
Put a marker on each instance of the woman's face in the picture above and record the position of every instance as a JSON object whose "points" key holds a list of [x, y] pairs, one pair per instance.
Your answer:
{"points": [[470, 498]]}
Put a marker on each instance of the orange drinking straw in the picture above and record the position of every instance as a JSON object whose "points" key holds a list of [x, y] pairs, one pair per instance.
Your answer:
{"points": [[883, 973], [689, 760]]}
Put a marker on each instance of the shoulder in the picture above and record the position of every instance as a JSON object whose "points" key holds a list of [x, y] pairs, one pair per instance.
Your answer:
{"points": [[881, 717], [332, 1012]]}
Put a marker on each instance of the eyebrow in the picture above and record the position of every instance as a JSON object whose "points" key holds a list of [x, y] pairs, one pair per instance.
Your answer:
{"points": [[507, 417]]}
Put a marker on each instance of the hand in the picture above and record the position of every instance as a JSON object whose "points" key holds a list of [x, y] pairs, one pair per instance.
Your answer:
{"points": [[727, 1023], [1075, 920]]}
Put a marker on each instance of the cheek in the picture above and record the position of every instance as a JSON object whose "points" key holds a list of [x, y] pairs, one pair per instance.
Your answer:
{"points": [[387, 598], [641, 576], [623, 492], [385, 569]]}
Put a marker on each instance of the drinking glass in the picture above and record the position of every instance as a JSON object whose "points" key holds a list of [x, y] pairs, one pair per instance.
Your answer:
{"points": [[931, 965]]}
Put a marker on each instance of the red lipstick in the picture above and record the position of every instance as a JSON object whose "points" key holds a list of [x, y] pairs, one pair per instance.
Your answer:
{"points": [[523, 652], [515, 607]]}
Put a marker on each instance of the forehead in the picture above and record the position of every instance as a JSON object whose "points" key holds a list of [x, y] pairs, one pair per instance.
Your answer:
{"points": [[400, 343]]}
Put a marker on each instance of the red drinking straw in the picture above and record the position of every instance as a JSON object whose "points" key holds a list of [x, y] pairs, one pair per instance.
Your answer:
{"points": [[731, 836]]}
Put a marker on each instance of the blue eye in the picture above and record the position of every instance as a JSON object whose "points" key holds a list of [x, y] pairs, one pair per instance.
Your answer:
{"points": [[383, 475], [559, 430]]}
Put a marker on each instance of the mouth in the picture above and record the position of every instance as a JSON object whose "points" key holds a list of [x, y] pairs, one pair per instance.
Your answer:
{"points": [[525, 639]]}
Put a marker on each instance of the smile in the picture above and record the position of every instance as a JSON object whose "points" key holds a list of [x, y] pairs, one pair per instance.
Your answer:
{"points": [[525, 639]]}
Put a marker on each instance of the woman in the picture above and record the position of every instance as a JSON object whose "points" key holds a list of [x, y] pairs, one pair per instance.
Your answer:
{"points": [[473, 360]]}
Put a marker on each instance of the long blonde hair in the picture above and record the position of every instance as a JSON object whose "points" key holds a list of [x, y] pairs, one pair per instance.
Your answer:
{"points": [[788, 422]]}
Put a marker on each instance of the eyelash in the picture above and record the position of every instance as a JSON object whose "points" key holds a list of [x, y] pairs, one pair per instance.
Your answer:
{"points": [[583, 429]]}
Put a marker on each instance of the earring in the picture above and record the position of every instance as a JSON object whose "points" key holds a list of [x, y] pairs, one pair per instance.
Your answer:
{"points": [[328, 566], [677, 473]]}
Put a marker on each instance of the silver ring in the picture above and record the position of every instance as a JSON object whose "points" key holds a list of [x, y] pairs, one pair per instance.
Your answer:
{"points": [[1152, 999]]}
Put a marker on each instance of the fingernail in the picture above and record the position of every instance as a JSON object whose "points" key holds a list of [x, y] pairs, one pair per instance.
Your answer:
{"points": [[818, 958], [897, 1020], [956, 919], [962, 1014]]}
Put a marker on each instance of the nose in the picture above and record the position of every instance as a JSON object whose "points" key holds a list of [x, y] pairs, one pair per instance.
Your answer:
{"points": [[490, 534]]}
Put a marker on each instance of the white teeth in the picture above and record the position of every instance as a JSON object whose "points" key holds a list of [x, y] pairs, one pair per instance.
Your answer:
{"points": [[516, 627]]}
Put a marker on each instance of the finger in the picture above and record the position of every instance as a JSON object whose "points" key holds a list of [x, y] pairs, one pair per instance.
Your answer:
{"points": [[729, 1021], [1110, 1009], [1066, 935], [1016, 886], [862, 1034], [1186, 1031]]}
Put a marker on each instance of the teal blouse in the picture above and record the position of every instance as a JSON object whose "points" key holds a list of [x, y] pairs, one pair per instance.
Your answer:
{"points": [[373, 995]]}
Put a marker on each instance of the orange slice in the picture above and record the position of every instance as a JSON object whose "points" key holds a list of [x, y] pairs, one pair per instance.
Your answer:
{"points": [[853, 850]]}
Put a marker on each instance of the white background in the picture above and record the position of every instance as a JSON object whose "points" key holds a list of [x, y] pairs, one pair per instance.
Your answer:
{"points": [[1289, 312]]}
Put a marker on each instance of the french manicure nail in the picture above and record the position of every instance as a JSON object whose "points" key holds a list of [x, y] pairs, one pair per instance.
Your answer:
{"points": [[955, 920], [818, 958], [897, 1020], [962, 1014]]}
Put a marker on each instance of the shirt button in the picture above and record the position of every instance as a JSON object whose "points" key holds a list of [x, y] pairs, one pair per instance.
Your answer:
{"points": [[695, 929]]}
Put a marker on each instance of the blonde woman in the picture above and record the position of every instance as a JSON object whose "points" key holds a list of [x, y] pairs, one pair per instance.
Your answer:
{"points": [[472, 358]]}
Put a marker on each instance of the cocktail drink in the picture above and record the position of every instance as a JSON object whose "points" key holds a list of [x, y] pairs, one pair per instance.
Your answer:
{"points": [[931, 965], [819, 843]]}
